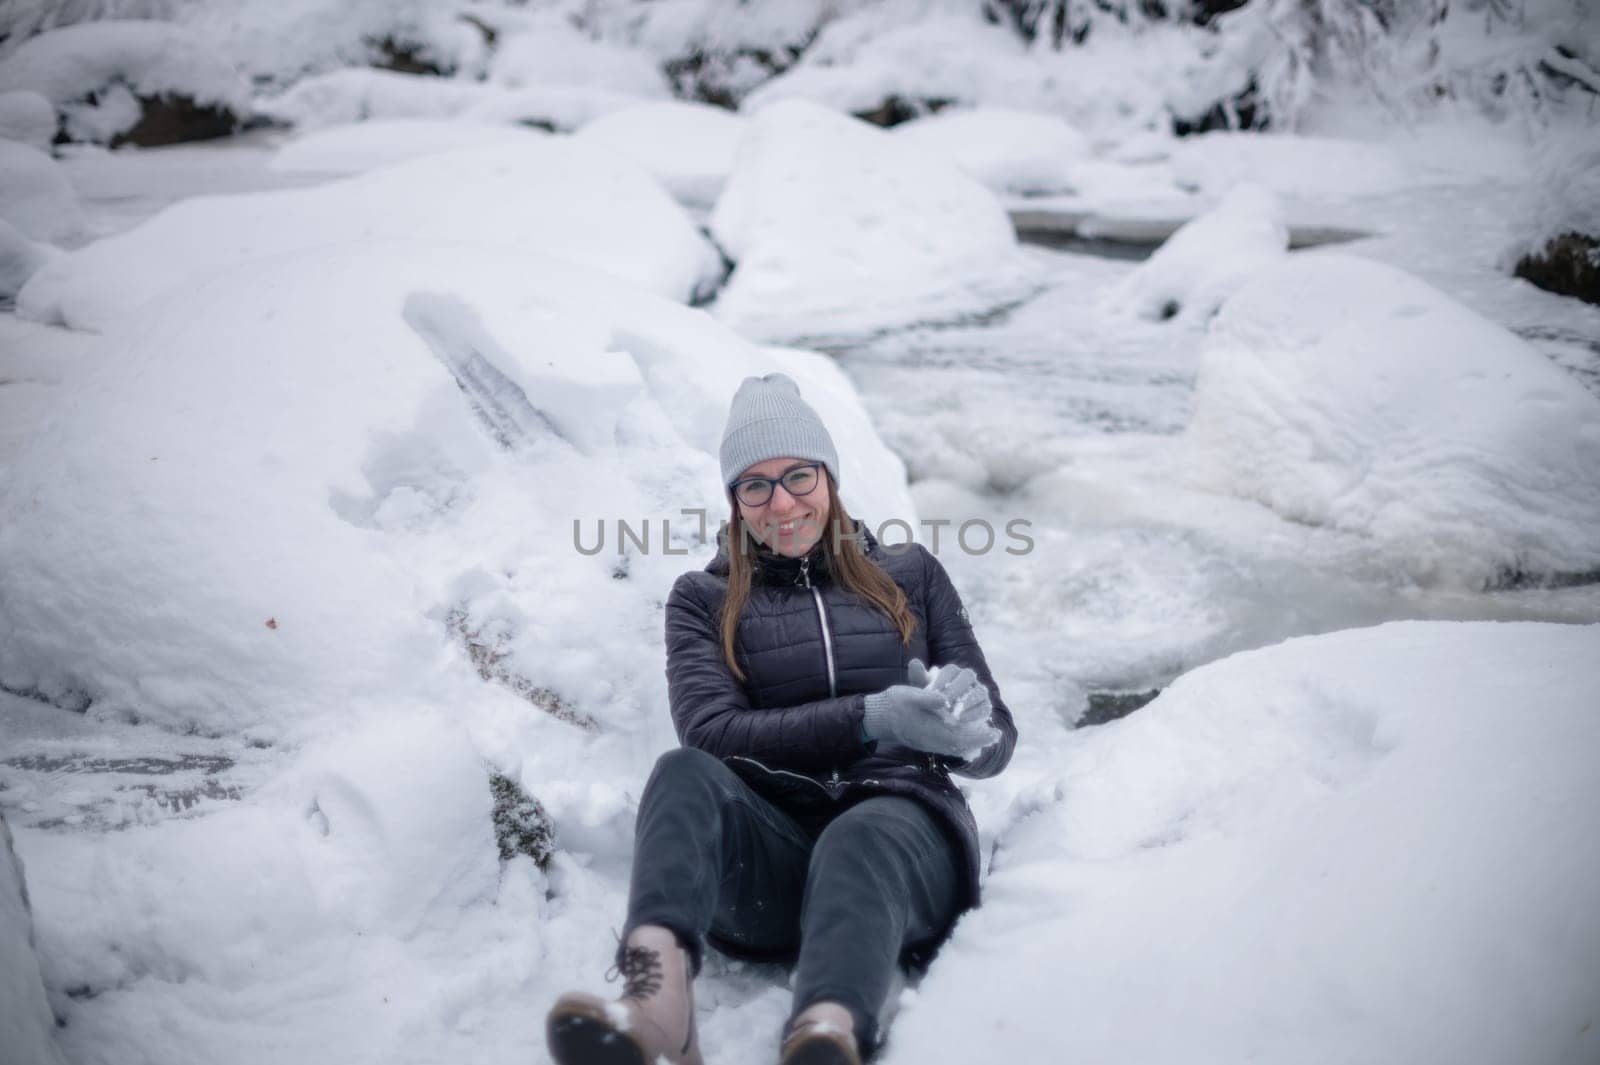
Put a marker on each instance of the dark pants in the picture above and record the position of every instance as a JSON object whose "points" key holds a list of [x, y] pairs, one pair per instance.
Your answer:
{"points": [[847, 897]]}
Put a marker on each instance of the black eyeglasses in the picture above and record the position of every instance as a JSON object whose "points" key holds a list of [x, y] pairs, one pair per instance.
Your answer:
{"points": [[797, 481]]}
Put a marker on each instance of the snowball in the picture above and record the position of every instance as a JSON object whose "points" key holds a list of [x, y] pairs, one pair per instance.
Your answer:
{"points": [[688, 147], [561, 198], [1206, 259], [35, 195], [27, 1026], [833, 223], [118, 61], [1011, 152], [27, 117], [1343, 392], [362, 146], [1356, 831]]}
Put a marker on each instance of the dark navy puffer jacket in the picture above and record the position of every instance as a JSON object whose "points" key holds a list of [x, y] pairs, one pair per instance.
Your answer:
{"points": [[811, 653]]}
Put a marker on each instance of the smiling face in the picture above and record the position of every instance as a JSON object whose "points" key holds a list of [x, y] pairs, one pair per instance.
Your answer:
{"points": [[788, 524]]}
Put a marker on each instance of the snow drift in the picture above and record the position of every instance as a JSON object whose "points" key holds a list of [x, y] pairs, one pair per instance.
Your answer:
{"points": [[1342, 392], [1380, 841], [552, 195], [834, 224], [1206, 260]]}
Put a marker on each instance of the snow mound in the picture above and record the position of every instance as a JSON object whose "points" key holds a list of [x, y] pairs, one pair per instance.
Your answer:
{"points": [[357, 865], [1016, 153], [35, 195], [876, 54], [27, 117], [561, 198], [279, 43], [27, 1027], [834, 224], [1206, 260], [689, 148], [116, 64], [400, 828], [1267, 829], [1342, 392], [355, 476], [362, 146]]}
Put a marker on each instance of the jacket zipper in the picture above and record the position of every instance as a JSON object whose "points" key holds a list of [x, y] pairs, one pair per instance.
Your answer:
{"points": [[786, 773], [822, 616]]}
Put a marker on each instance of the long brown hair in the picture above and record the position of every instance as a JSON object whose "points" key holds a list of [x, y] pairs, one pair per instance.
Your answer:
{"points": [[847, 561]]}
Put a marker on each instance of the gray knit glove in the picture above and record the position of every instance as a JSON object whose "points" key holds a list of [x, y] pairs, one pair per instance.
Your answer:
{"points": [[922, 714]]}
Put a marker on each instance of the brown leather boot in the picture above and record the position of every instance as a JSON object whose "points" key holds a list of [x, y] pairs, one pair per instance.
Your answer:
{"points": [[822, 1034], [652, 1021]]}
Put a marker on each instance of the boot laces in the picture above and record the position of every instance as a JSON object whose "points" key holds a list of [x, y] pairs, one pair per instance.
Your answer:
{"points": [[641, 970]]}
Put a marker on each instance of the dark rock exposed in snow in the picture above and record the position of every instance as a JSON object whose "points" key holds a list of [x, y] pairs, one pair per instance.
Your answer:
{"points": [[521, 825], [1568, 265]]}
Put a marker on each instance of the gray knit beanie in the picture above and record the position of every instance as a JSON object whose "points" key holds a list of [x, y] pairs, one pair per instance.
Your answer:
{"points": [[769, 420]]}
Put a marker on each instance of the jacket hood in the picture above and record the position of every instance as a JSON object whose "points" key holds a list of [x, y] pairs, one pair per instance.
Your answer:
{"points": [[773, 568]]}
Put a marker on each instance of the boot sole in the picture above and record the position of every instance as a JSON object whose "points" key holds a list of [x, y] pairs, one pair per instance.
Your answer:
{"points": [[580, 1036]]}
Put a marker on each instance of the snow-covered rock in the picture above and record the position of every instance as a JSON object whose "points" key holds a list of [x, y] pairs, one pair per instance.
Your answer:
{"points": [[335, 468], [1014, 153], [27, 1027], [834, 224], [881, 53], [27, 117], [1360, 834], [362, 146], [102, 76], [1341, 392], [688, 147], [35, 195], [546, 194], [281, 42], [1206, 260]]}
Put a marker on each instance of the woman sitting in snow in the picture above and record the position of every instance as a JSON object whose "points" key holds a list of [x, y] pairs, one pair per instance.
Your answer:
{"points": [[810, 812]]}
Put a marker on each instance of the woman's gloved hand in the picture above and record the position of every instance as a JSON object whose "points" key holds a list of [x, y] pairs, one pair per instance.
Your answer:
{"points": [[939, 714], [965, 694]]}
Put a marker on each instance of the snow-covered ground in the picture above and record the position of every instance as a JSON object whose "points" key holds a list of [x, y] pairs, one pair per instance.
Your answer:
{"points": [[303, 437]]}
